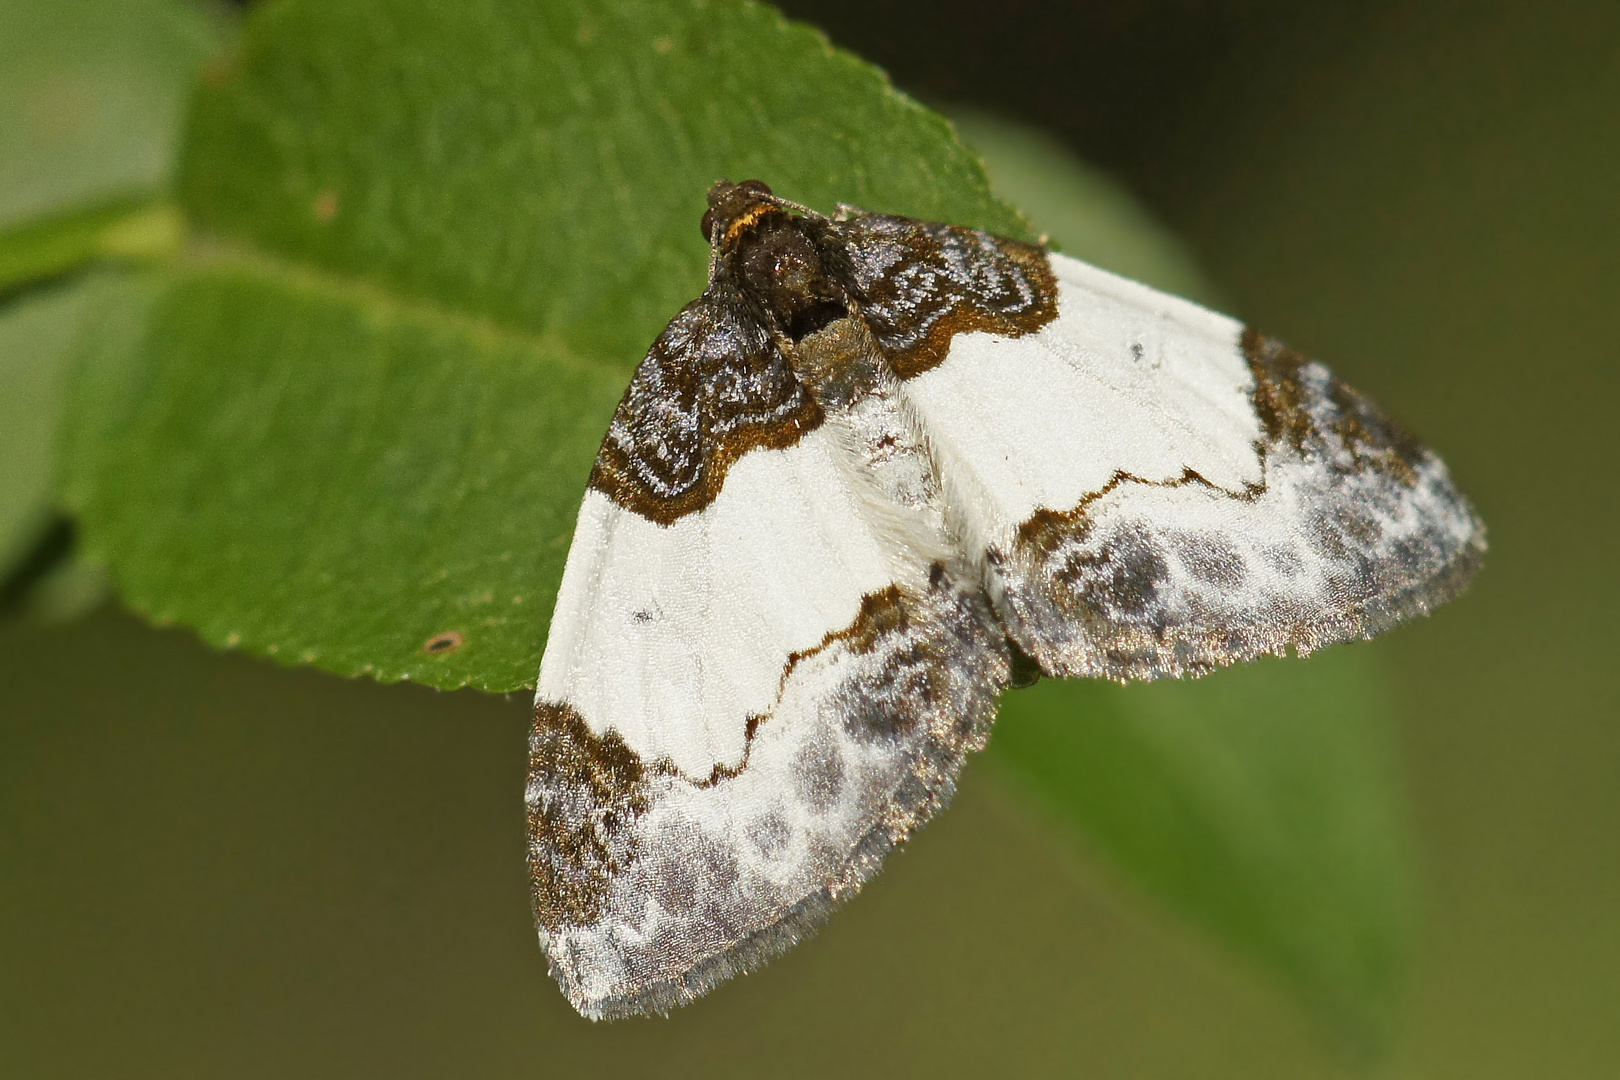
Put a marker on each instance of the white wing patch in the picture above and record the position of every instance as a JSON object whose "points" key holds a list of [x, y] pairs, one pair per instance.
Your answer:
{"points": [[676, 635], [1126, 379]]}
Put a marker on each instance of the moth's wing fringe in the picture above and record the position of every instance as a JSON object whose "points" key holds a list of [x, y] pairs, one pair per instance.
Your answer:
{"points": [[754, 951]]}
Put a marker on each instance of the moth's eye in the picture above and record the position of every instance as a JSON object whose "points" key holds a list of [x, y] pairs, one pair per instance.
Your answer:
{"points": [[707, 224]]}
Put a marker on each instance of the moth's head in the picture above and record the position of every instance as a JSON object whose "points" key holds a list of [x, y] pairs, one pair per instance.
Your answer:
{"points": [[735, 207]]}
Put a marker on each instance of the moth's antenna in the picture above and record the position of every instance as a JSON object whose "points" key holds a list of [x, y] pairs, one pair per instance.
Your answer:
{"points": [[789, 204]]}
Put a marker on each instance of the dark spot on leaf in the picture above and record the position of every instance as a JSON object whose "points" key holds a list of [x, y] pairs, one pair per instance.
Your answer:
{"points": [[1026, 670], [449, 641], [219, 69], [325, 206]]}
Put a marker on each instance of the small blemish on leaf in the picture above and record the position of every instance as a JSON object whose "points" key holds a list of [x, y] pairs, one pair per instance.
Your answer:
{"points": [[663, 46], [326, 206], [449, 641], [232, 640], [219, 69]]}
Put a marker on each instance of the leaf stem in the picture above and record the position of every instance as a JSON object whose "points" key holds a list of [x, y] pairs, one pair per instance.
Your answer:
{"points": [[136, 227]]}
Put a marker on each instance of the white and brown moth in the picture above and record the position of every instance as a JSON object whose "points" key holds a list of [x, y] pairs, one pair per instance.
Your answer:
{"points": [[879, 471]]}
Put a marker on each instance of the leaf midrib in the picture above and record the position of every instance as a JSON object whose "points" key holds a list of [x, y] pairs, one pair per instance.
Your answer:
{"points": [[203, 252]]}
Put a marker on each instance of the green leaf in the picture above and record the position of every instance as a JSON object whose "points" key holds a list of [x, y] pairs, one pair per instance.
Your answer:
{"points": [[93, 92], [1258, 802], [432, 241], [428, 488]]}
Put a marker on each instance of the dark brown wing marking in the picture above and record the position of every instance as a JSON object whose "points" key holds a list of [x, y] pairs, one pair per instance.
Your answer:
{"points": [[591, 789], [1321, 416], [713, 387], [922, 283]]}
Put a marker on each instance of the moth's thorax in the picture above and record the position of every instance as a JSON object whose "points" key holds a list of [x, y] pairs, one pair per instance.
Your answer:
{"points": [[777, 263], [840, 362], [844, 368]]}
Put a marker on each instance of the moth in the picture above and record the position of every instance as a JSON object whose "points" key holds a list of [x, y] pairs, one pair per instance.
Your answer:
{"points": [[879, 471]]}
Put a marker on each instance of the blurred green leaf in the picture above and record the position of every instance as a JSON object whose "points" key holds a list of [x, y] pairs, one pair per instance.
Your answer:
{"points": [[93, 92], [432, 241], [1258, 802], [36, 335]]}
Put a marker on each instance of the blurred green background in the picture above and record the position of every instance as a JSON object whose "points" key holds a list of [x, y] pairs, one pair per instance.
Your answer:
{"points": [[211, 866]]}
